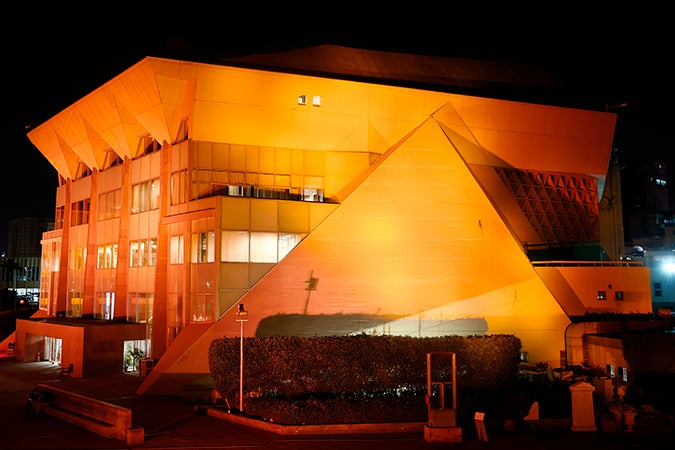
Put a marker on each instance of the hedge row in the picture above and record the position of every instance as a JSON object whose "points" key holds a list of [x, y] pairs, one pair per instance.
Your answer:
{"points": [[301, 367]]}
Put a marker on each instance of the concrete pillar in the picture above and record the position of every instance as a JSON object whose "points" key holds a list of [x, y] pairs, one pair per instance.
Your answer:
{"points": [[583, 414]]}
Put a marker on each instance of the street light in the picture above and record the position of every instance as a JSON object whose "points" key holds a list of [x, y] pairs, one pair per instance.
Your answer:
{"points": [[242, 316]]}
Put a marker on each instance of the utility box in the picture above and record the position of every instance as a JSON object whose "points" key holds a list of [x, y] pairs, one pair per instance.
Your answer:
{"points": [[441, 399]]}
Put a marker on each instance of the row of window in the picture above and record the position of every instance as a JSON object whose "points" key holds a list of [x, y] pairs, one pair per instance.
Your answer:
{"points": [[145, 196], [142, 253], [239, 246], [236, 246], [316, 100], [602, 295], [622, 372], [139, 306]]}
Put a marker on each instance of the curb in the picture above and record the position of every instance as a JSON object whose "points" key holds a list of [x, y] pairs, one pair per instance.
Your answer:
{"points": [[346, 428]]}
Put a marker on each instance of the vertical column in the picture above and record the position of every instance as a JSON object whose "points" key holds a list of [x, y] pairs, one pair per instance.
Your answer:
{"points": [[62, 284], [122, 274], [160, 305], [89, 290]]}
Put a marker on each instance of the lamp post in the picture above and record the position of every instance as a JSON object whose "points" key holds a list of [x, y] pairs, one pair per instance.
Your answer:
{"points": [[242, 316]]}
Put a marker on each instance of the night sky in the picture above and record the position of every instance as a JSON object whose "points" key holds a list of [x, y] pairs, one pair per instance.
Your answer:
{"points": [[54, 55]]}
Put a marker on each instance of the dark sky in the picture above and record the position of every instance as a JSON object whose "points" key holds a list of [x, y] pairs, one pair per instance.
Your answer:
{"points": [[54, 55]]}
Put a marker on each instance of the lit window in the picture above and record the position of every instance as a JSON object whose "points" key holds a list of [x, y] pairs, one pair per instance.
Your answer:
{"points": [[143, 253], [316, 100], [602, 295], [263, 247], [145, 196], [312, 195], [176, 250], [105, 305], [203, 247], [287, 242], [623, 373], [302, 99], [234, 246], [107, 257]]}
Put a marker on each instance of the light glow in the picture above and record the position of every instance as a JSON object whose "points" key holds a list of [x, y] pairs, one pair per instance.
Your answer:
{"points": [[669, 267]]}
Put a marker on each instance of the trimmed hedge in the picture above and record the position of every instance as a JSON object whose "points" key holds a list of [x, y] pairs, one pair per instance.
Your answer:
{"points": [[339, 379]]}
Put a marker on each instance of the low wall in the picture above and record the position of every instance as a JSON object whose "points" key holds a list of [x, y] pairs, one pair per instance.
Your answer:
{"points": [[106, 419]]}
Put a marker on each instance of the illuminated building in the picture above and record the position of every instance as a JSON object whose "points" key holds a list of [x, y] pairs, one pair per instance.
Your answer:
{"points": [[327, 204]]}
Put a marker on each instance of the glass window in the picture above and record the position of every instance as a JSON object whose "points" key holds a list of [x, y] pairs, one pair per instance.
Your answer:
{"points": [[287, 242], [204, 247], [78, 257], [140, 307], [105, 305], [234, 246], [177, 250], [154, 194], [134, 254], [623, 373], [263, 247], [107, 256], [178, 183]]}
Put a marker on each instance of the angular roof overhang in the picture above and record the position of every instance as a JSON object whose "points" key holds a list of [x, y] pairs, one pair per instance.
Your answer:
{"points": [[148, 98]]}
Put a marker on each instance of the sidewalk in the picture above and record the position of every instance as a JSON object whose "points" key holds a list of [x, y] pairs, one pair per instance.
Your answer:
{"points": [[170, 423]]}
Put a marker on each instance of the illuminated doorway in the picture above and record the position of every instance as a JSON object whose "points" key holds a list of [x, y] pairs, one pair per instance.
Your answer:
{"points": [[53, 349], [134, 351]]}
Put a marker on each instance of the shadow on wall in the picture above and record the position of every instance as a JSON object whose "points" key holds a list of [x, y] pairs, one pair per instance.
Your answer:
{"points": [[343, 324]]}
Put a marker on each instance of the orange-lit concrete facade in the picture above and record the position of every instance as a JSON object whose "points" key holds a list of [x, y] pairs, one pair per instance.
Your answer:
{"points": [[325, 206]]}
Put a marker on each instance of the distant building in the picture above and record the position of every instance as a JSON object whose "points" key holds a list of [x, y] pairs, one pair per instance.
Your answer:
{"points": [[661, 265], [25, 236], [650, 226], [20, 268], [646, 203], [329, 191]]}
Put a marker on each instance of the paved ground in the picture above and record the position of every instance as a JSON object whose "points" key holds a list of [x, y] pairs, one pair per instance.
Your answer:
{"points": [[170, 423]]}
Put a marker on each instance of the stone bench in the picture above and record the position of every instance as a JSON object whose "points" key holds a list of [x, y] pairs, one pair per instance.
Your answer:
{"points": [[103, 418]]}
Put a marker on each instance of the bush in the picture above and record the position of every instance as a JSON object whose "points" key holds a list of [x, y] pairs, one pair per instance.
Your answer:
{"points": [[352, 379], [380, 407]]}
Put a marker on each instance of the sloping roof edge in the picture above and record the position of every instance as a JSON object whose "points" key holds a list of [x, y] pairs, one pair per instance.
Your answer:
{"points": [[496, 79]]}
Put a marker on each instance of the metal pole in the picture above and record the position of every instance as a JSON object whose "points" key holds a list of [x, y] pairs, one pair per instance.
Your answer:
{"points": [[242, 316], [241, 367]]}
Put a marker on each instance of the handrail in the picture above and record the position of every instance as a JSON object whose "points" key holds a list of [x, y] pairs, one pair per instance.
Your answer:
{"points": [[589, 263]]}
